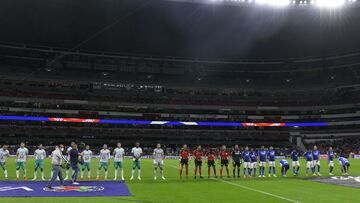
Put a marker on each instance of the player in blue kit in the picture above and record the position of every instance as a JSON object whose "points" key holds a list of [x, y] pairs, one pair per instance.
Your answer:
{"points": [[262, 161], [271, 159], [247, 162], [316, 161], [284, 167], [309, 162], [330, 158], [345, 165], [295, 162], [253, 164]]}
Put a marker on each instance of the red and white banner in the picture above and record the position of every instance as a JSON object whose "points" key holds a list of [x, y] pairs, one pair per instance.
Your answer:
{"points": [[74, 120], [263, 124]]}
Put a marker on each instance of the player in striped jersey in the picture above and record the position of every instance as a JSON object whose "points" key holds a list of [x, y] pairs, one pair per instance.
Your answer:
{"points": [[253, 164], [4, 154], [271, 158], [345, 165], [136, 153], [309, 162], [295, 162], [104, 157], [86, 156], [21, 158], [247, 162], [316, 160], [158, 156], [119, 154], [330, 158], [262, 161], [284, 167], [39, 155]]}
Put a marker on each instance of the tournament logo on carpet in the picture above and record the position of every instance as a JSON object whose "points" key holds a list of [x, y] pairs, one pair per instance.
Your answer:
{"points": [[85, 189], [75, 188]]}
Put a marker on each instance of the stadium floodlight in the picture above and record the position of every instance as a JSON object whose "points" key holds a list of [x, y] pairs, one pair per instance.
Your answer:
{"points": [[275, 3], [330, 3]]}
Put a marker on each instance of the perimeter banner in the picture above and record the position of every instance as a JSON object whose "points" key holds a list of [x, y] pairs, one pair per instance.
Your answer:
{"points": [[85, 189]]}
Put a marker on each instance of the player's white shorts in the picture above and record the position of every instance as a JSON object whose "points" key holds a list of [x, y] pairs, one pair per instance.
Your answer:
{"points": [[247, 164], [158, 162], [316, 163], [295, 163], [309, 164], [271, 163], [262, 163], [331, 163], [253, 165]]}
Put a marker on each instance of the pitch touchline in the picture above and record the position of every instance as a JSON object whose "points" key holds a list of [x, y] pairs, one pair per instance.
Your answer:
{"points": [[251, 189]]}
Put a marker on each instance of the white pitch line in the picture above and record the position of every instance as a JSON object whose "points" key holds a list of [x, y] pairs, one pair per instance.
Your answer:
{"points": [[251, 189], [256, 190]]}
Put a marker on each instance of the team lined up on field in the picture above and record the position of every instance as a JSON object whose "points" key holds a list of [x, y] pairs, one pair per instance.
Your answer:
{"points": [[73, 157], [249, 158]]}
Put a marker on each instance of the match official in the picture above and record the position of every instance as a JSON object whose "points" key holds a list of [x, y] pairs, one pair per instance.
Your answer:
{"points": [[56, 163]]}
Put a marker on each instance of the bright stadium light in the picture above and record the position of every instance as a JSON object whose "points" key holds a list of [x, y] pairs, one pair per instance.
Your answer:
{"points": [[275, 3], [330, 3]]}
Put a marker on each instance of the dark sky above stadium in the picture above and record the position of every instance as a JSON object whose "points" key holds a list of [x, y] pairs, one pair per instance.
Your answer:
{"points": [[160, 27]]}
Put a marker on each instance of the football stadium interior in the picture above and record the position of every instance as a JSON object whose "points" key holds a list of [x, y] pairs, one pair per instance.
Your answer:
{"points": [[279, 76]]}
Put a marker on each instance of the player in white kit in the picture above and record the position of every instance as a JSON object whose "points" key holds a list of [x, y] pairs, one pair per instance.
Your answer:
{"points": [[4, 154], [119, 154], [21, 158], [136, 153], [158, 156], [103, 161], [86, 155], [40, 155]]}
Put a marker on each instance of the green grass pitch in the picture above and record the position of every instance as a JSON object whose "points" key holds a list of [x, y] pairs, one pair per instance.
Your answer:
{"points": [[173, 190]]}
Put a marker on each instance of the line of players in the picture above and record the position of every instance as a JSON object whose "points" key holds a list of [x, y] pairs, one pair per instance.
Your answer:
{"points": [[84, 158], [251, 159]]}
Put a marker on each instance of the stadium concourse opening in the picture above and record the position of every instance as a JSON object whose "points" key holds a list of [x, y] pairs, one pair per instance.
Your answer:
{"points": [[159, 101]]}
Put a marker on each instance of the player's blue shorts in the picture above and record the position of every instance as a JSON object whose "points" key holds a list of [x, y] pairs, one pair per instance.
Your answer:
{"points": [[136, 164], [85, 165], [39, 163], [103, 165], [21, 165], [118, 164], [3, 165]]}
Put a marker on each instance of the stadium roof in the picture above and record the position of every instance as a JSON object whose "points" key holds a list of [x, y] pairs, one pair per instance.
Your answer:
{"points": [[167, 28]]}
